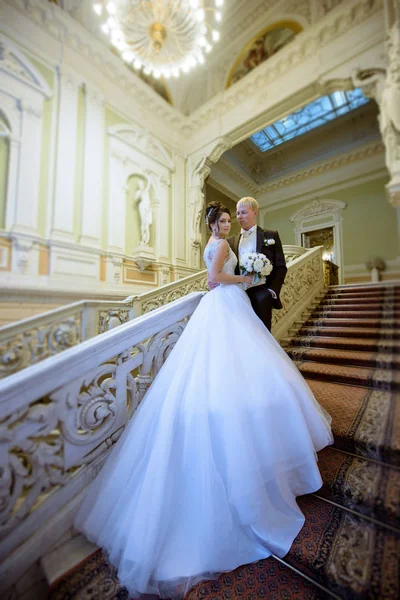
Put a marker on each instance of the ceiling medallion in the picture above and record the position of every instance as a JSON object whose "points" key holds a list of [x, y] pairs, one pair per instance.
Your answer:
{"points": [[163, 38]]}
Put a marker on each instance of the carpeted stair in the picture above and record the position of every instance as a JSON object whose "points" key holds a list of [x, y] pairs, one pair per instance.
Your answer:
{"points": [[348, 348]]}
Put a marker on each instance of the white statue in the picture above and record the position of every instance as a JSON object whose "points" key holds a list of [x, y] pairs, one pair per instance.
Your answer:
{"points": [[384, 86], [145, 211]]}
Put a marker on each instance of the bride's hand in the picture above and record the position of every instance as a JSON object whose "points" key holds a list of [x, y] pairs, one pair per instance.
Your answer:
{"points": [[247, 278]]}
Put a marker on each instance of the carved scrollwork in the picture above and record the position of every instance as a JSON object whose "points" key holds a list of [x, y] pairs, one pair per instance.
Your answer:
{"points": [[108, 319], [161, 299], [33, 345], [45, 442], [298, 283]]}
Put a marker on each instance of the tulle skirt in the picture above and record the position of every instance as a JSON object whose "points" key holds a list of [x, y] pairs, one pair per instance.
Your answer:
{"points": [[206, 474]]}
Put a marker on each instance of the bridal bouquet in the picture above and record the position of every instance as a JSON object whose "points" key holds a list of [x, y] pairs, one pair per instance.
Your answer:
{"points": [[256, 263]]}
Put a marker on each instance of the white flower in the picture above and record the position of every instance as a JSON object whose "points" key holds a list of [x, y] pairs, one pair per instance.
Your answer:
{"points": [[267, 269], [258, 265], [271, 242]]}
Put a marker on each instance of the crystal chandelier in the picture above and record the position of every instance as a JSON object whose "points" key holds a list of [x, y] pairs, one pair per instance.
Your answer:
{"points": [[163, 38]]}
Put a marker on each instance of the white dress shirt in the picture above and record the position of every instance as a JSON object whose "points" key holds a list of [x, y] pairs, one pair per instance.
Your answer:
{"points": [[248, 244]]}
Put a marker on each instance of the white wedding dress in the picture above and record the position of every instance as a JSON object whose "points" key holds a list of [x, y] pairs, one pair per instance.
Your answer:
{"points": [[206, 474]]}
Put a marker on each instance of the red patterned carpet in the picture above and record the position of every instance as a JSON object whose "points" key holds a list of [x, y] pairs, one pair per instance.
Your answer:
{"points": [[348, 349]]}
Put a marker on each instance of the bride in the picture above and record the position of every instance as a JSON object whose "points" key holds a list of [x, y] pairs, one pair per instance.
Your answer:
{"points": [[206, 474]]}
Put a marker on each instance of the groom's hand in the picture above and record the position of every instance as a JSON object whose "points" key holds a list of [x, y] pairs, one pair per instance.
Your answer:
{"points": [[212, 284]]}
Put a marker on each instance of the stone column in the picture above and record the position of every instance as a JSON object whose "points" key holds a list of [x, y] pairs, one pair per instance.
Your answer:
{"points": [[63, 213], [162, 217], [22, 208], [92, 201], [178, 220], [116, 200]]}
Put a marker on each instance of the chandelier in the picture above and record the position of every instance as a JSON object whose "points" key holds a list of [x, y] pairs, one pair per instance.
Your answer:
{"points": [[163, 38]]}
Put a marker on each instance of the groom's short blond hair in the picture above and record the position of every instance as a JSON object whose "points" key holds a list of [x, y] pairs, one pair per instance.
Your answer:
{"points": [[249, 202]]}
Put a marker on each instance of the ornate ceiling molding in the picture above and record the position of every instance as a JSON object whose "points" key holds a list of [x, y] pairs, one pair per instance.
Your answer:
{"points": [[336, 162], [237, 175], [341, 160]]}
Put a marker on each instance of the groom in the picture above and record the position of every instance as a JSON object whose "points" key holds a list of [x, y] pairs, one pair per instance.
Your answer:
{"points": [[264, 296]]}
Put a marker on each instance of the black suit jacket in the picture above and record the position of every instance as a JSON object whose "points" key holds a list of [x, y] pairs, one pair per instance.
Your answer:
{"points": [[275, 254]]}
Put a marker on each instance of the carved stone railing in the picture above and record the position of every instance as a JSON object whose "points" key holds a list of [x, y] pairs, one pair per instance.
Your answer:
{"points": [[58, 421], [303, 283], [30, 341], [194, 283], [331, 273], [292, 252], [148, 301]]}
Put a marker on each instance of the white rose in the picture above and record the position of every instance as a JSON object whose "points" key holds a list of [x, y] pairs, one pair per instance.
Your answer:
{"points": [[258, 265], [271, 242], [267, 270], [248, 264]]}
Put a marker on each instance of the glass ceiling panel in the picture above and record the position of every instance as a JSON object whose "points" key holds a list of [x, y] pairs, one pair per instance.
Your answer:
{"points": [[308, 117]]}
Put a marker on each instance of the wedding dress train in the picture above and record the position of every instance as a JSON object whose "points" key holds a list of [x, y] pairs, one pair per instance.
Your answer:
{"points": [[206, 474]]}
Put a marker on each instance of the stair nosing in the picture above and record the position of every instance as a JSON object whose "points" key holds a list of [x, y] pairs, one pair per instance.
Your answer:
{"points": [[357, 514], [307, 578]]}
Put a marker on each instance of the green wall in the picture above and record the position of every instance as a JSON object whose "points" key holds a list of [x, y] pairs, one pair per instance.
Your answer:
{"points": [[45, 152], [110, 118], [369, 222]]}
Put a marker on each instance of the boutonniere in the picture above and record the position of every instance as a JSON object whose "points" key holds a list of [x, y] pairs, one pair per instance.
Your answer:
{"points": [[268, 242]]}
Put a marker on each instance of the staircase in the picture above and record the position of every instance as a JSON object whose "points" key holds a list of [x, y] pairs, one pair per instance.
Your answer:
{"points": [[348, 348]]}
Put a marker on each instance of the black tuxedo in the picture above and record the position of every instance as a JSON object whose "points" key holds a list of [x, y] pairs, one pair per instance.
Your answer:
{"points": [[261, 299]]}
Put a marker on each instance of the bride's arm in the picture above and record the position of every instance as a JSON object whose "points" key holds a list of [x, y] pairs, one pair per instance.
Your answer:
{"points": [[217, 263]]}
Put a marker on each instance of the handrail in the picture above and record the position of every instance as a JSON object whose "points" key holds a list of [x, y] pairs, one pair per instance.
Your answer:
{"points": [[34, 339]]}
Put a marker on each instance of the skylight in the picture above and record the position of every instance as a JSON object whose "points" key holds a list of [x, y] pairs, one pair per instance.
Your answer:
{"points": [[308, 117]]}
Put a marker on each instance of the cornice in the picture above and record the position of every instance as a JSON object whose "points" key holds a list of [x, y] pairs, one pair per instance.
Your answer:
{"points": [[322, 167], [341, 160], [226, 166]]}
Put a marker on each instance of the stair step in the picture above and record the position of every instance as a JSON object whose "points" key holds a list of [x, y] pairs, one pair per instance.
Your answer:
{"points": [[365, 422], [394, 291], [381, 379], [379, 360], [394, 300], [351, 322], [352, 314], [359, 307], [66, 557], [353, 332], [93, 579], [267, 578], [346, 554], [343, 343], [367, 487], [364, 288]]}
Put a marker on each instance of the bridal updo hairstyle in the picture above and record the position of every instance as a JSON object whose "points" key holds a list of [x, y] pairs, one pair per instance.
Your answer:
{"points": [[213, 212]]}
